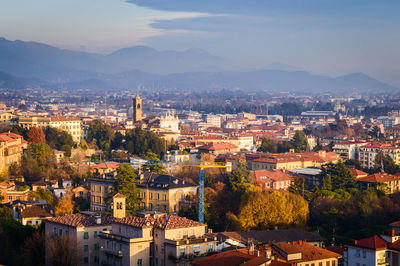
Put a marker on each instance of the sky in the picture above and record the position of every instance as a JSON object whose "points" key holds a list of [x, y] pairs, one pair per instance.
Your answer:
{"points": [[332, 37]]}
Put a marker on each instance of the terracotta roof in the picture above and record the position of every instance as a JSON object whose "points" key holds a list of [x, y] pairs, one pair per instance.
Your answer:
{"points": [[357, 173], [395, 245], [34, 211], [80, 220], [213, 146], [164, 222], [270, 176], [174, 222], [373, 242], [136, 221], [378, 177], [271, 236], [230, 258], [308, 251], [105, 165], [119, 195]]}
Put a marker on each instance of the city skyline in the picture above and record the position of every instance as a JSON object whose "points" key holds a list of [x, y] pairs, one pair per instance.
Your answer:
{"points": [[324, 37]]}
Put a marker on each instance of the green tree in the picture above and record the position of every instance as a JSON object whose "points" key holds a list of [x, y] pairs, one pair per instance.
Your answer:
{"points": [[339, 174], [299, 141], [101, 133], [43, 194], [154, 164], [267, 145], [126, 184], [389, 166]]}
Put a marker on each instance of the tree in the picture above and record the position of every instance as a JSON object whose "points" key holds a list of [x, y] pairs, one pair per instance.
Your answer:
{"points": [[126, 185], [339, 174], [385, 161], [43, 194], [62, 251], [299, 141], [265, 210], [33, 249], [36, 135], [101, 133], [65, 205], [267, 145], [154, 164], [57, 139]]}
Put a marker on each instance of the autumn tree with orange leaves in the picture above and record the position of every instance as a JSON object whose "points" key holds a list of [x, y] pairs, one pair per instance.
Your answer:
{"points": [[36, 135]]}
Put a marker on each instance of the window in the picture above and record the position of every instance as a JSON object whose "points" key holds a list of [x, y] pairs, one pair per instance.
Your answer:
{"points": [[86, 260], [328, 263], [86, 235], [357, 253], [139, 262], [196, 249], [86, 248], [151, 195], [96, 259], [320, 264], [164, 197], [333, 263], [95, 234], [210, 247], [182, 252], [364, 253], [96, 246], [158, 196], [59, 232]]}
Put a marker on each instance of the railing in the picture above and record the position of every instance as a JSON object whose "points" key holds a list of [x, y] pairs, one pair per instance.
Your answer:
{"points": [[384, 261], [117, 253]]}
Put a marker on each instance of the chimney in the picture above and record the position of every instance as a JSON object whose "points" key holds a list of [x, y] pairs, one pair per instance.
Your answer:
{"points": [[97, 219], [268, 253]]}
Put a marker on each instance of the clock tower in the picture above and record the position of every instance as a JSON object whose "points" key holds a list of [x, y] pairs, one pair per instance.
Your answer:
{"points": [[137, 108]]}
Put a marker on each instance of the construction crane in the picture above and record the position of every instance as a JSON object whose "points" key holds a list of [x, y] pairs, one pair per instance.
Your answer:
{"points": [[202, 165]]}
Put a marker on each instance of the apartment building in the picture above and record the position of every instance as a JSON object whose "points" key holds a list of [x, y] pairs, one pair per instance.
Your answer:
{"points": [[69, 124], [369, 151], [291, 160], [165, 193], [11, 149], [158, 192], [82, 231], [348, 149], [388, 183], [153, 239], [9, 192], [100, 189]]}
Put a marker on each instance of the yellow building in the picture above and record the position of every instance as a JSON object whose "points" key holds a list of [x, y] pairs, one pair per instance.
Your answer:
{"points": [[69, 124], [6, 117], [11, 149], [165, 193], [291, 160]]}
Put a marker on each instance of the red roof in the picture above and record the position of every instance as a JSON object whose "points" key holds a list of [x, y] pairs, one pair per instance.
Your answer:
{"points": [[172, 222], [270, 176], [231, 258], [80, 220], [357, 173], [379, 177], [105, 165], [373, 242], [217, 146]]}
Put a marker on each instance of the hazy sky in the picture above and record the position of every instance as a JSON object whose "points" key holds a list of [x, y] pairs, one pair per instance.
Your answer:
{"points": [[323, 36]]}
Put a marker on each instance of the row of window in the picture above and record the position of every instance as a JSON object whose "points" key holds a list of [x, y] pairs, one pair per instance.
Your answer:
{"points": [[327, 263]]}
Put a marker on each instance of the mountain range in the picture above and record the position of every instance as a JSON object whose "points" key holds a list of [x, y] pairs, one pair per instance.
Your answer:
{"points": [[31, 64]]}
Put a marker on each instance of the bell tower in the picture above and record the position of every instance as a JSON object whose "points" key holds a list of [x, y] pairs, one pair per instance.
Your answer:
{"points": [[119, 206], [137, 108]]}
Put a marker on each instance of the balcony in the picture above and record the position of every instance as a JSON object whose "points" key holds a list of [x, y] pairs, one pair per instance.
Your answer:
{"points": [[116, 253], [383, 261]]}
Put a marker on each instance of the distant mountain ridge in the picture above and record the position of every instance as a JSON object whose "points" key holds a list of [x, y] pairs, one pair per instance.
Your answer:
{"points": [[130, 67]]}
